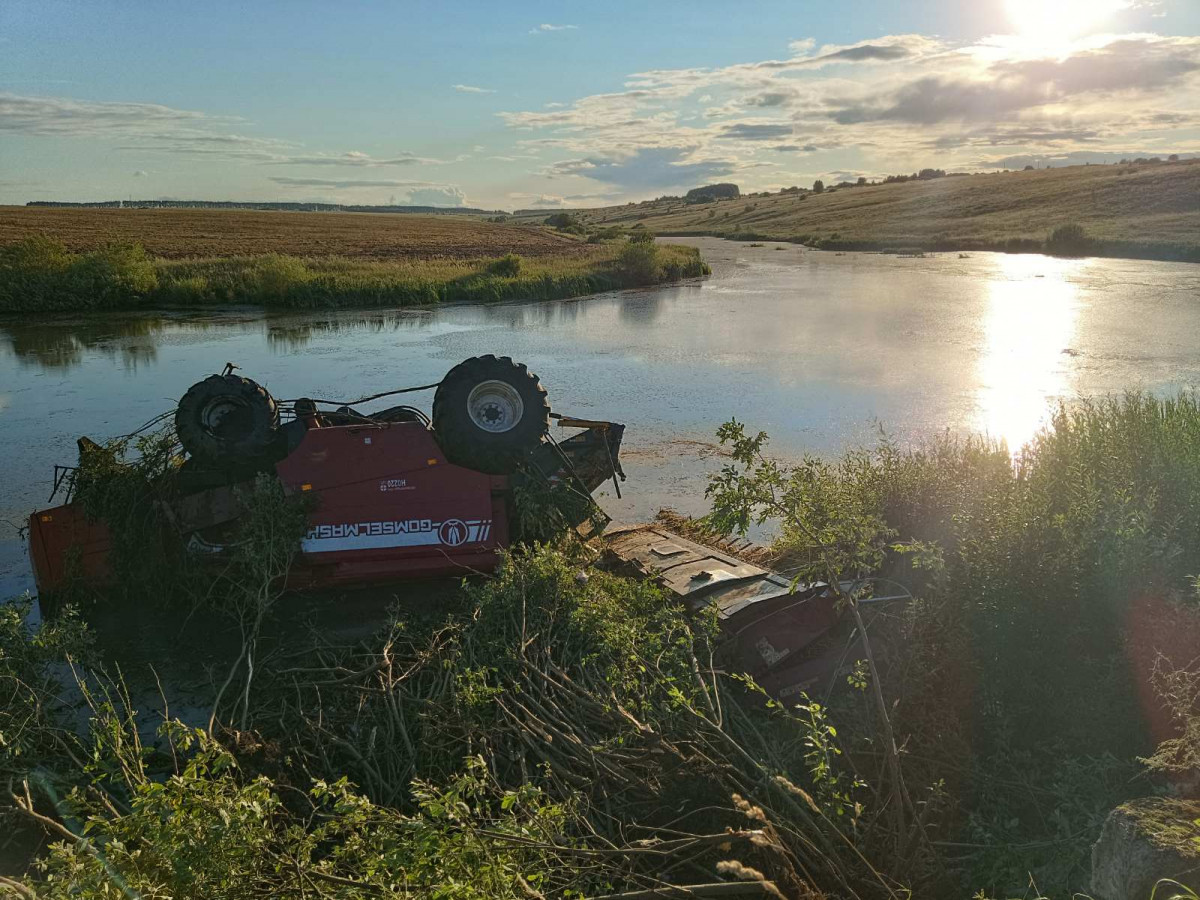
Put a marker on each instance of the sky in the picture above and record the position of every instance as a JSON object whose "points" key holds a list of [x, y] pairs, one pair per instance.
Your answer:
{"points": [[548, 105]]}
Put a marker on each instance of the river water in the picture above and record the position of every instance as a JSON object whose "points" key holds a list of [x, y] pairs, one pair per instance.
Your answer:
{"points": [[818, 349]]}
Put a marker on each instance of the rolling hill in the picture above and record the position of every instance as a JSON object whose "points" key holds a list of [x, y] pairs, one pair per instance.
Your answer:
{"points": [[1146, 210]]}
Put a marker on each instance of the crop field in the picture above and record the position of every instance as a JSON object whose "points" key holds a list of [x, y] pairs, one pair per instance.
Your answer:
{"points": [[196, 233]]}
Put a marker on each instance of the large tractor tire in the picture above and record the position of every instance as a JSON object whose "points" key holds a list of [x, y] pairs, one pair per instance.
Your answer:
{"points": [[489, 413], [226, 420]]}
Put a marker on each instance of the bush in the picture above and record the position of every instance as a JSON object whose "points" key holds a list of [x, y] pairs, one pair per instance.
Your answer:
{"points": [[1069, 240], [602, 235], [638, 261], [566, 222], [40, 273], [507, 266], [275, 276]]}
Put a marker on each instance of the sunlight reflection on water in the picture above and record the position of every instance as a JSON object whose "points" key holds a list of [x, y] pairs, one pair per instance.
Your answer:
{"points": [[1028, 328]]}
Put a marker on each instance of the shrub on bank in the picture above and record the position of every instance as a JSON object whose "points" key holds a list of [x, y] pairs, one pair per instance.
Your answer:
{"points": [[1069, 240], [40, 273], [638, 262], [507, 266]]}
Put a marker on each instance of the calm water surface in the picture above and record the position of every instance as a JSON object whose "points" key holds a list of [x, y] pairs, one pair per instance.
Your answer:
{"points": [[817, 349]]}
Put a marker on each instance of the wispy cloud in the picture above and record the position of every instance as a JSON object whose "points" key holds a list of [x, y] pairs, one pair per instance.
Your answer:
{"points": [[646, 168], [354, 159], [147, 127], [79, 118], [418, 193], [471, 89], [290, 181], [755, 131], [544, 28], [448, 195]]}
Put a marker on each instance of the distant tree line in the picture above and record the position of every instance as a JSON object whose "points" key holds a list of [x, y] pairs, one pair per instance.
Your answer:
{"points": [[710, 192], [923, 175]]}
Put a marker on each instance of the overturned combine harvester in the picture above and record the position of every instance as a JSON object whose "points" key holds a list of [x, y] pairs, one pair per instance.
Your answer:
{"points": [[396, 494]]}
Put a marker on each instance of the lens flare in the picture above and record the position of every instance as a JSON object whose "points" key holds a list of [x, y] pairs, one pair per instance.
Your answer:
{"points": [[1053, 23]]}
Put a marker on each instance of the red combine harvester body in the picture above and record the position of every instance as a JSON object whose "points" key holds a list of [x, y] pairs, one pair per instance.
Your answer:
{"points": [[393, 495], [389, 504]]}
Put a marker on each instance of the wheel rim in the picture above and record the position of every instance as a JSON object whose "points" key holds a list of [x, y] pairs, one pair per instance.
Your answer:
{"points": [[495, 406], [222, 416]]}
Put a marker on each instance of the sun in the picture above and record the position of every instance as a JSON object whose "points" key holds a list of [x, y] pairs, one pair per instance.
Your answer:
{"points": [[1051, 24]]}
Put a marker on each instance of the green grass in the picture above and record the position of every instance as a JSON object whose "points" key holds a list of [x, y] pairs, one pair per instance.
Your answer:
{"points": [[40, 275], [1133, 211]]}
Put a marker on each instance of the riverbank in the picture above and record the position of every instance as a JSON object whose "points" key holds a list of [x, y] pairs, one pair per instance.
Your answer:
{"points": [[40, 274], [1139, 211], [1159, 251]]}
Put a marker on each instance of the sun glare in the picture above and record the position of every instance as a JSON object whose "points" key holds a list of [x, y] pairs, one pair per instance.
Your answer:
{"points": [[1029, 327], [1052, 24]]}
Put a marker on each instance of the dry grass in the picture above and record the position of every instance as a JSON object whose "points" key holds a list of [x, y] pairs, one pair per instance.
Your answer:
{"points": [[1141, 205], [195, 233]]}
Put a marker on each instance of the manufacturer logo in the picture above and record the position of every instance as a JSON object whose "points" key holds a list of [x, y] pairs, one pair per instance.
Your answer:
{"points": [[769, 654], [403, 533], [453, 532]]}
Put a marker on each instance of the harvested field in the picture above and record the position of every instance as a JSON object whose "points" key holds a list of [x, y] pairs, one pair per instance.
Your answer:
{"points": [[189, 233]]}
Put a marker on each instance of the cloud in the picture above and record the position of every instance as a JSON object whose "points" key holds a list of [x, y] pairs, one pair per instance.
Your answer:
{"points": [[471, 89], [753, 131], [420, 193], [60, 116], [289, 181], [1132, 65], [544, 28], [147, 127], [353, 159], [646, 168], [886, 49], [995, 137], [890, 101], [437, 196], [548, 201], [772, 98], [1076, 158]]}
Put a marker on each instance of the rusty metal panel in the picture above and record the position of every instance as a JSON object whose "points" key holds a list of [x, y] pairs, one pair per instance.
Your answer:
{"points": [[654, 552], [700, 576], [696, 574], [731, 599]]}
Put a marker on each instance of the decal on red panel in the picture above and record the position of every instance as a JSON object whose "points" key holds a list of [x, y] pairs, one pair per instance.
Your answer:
{"points": [[396, 533]]}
